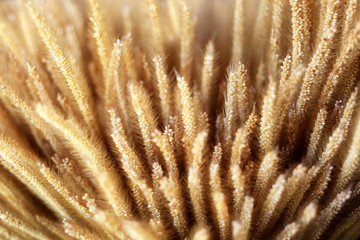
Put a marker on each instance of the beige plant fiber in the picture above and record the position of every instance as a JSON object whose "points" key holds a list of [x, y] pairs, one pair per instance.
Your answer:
{"points": [[179, 119]]}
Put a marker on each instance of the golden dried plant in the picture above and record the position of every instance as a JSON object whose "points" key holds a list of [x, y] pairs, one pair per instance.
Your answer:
{"points": [[166, 119]]}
